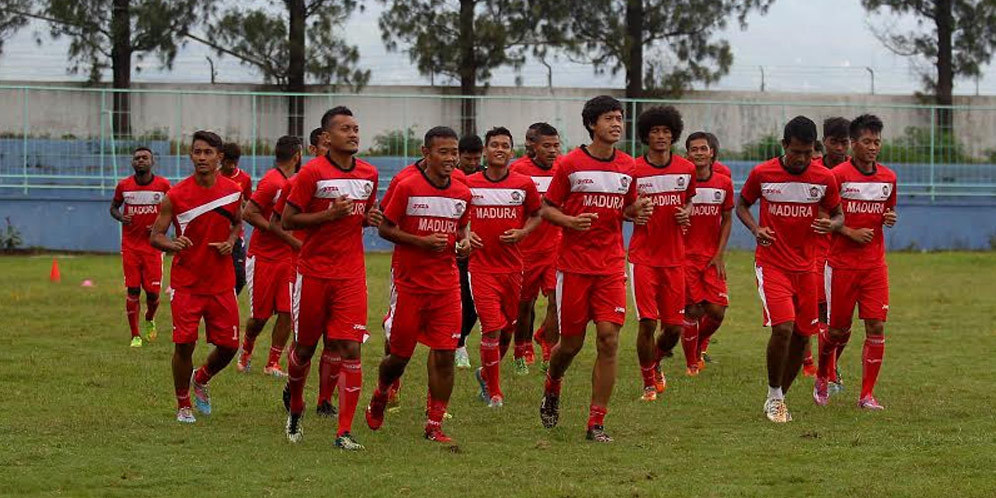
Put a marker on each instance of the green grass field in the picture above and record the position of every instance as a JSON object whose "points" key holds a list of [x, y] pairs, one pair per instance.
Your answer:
{"points": [[82, 414]]}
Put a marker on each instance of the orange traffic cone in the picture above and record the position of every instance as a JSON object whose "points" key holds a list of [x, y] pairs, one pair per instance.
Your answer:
{"points": [[54, 275]]}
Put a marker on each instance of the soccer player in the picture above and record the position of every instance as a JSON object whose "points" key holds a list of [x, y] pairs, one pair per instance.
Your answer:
{"points": [[230, 169], [269, 270], [471, 149], [717, 166], [333, 198], [657, 249], [791, 192], [140, 194], [425, 216], [856, 271], [539, 249], [504, 209], [205, 211], [705, 244], [591, 192]]}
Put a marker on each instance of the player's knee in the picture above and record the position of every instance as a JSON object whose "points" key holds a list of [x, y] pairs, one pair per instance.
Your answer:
{"points": [[607, 344], [134, 291], [693, 312], [151, 296], [875, 327], [838, 335], [570, 346], [782, 330], [349, 350], [647, 327], [717, 313]]}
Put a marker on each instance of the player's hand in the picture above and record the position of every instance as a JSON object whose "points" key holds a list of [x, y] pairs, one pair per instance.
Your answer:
{"points": [[435, 242], [463, 248], [475, 241], [720, 265], [180, 243], [374, 217], [512, 235], [683, 216], [583, 221], [340, 207], [890, 217], [764, 236], [224, 248], [126, 219], [644, 208], [861, 235], [822, 225]]}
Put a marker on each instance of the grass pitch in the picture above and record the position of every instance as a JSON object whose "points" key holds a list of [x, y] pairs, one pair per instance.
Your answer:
{"points": [[82, 414]]}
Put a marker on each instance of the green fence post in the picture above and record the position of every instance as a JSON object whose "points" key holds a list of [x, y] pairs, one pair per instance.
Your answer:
{"points": [[255, 132], [933, 137], [24, 137], [632, 128], [404, 129], [103, 112]]}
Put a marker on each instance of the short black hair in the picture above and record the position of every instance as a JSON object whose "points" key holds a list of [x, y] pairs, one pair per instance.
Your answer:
{"points": [[713, 144], [595, 108], [543, 130], [470, 143], [332, 113], [865, 122], [141, 148], [699, 135], [498, 131], [800, 128], [836, 127], [438, 132], [232, 151], [818, 146], [315, 136], [209, 137], [660, 116], [531, 131], [286, 147]]}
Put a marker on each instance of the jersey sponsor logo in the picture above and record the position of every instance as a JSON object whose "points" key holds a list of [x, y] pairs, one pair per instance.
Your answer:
{"points": [[602, 201], [599, 182], [497, 196], [142, 197], [658, 184], [496, 212], [705, 209], [139, 210], [542, 183], [435, 206], [436, 225], [705, 195], [796, 192], [666, 200], [184, 218], [353, 188], [791, 210], [865, 191], [861, 207]]}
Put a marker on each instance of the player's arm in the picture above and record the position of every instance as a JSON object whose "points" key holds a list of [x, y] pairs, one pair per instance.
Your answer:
{"points": [[254, 216], [158, 238], [554, 215], [225, 247], [764, 235], [725, 225], [293, 219], [684, 214], [513, 235], [117, 214], [276, 228], [393, 233]]}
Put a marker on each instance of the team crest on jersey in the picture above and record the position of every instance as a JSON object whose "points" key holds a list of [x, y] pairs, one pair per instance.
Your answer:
{"points": [[624, 181], [459, 207], [717, 195], [814, 192], [516, 196], [157, 197], [885, 190], [367, 188], [681, 181]]}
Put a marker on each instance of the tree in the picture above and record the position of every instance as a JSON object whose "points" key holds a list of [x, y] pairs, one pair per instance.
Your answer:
{"points": [[467, 39], [614, 35], [957, 37], [10, 18], [289, 47]]}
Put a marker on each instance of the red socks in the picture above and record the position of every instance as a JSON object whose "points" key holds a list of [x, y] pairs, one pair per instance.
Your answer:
{"points": [[349, 394], [871, 362], [297, 375], [151, 305], [182, 398], [707, 327], [131, 307], [596, 416], [647, 372], [491, 364], [248, 344], [689, 344], [203, 374], [274, 359], [435, 416], [552, 385], [328, 374]]}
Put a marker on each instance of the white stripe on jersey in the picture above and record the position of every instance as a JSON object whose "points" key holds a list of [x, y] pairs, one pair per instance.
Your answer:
{"points": [[542, 183], [600, 182], [189, 215], [353, 188], [142, 197], [435, 206], [659, 184], [796, 192], [706, 195], [866, 191], [497, 196]]}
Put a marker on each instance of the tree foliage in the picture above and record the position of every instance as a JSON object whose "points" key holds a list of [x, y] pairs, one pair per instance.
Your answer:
{"points": [[11, 18]]}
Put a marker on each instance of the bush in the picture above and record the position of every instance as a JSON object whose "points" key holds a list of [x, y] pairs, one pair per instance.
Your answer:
{"points": [[10, 238], [392, 143]]}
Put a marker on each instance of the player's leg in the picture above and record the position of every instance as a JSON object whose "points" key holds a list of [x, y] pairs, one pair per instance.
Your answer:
{"points": [[468, 315], [239, 262], [351, 381], [573, 314], [254, 327], [646, 289], [709, 323], [131, 265], [183, 366], [347, 330], [262, 286], [406, 322], [776, 293], [152, 276], [486, 298], [551, 332], [309, 315], [278, 341], [393, 393], [693, 318], [187, 311], [873, 309], [804, 286], [441, 322], [608, 308], [221, 325], [329, 369], [842, 297]]}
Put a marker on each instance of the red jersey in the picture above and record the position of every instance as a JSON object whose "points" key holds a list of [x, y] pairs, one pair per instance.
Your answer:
{"points": [[279, 203], [142, 203], [334, 250], [712, 198], [497, 206], [583, 183], [661, 241], [421, 208], [718, 167], [544, 239], [865, 198], [822, 241], [245, 183], [204, 215], [410, 171], [789, 205], [263, 243]]}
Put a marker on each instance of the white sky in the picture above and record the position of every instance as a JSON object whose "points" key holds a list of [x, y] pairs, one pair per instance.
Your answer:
{"points": [[803, 45]]}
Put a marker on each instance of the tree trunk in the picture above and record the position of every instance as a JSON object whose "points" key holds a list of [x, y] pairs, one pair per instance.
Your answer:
{"points": [[295, 68], [468, 69], [945, 71], [121, 68], [634, 48]]}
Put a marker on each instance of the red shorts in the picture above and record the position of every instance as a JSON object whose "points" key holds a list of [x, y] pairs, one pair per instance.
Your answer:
{"points": [[659, 293], [702, 283], [336, 309], [539, 277], [496, 299], [788, 296], [584, 298], [271, 284], [143, 269], [430, 318], [868, 289], [219, 311]]}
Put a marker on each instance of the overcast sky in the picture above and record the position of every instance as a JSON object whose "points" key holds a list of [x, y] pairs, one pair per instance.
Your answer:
{"points": [[803, 45]]}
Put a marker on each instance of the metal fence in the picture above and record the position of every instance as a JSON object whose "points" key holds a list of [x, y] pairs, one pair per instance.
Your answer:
{"points": [[70, 138]]}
